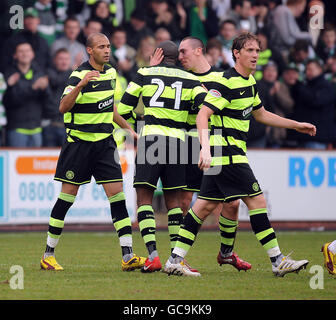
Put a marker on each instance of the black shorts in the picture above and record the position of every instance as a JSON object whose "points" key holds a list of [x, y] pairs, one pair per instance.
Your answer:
{"points": [[159, 157], [79, 161], [231, 183], [193, 173]]}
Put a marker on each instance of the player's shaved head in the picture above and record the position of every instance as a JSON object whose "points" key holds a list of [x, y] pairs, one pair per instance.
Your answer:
{"points": [[93, 38], [195, 43], [170, 52]]}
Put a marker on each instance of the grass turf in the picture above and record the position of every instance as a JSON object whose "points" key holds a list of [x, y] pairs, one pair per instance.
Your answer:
{"points": [[92, 263]]}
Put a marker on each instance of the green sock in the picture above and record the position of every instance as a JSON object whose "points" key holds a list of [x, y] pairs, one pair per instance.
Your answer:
{"points": [[175, 217], [56, 221], [187, 234], [228, 230], [147, 227], [264, 232], [122, 224]]}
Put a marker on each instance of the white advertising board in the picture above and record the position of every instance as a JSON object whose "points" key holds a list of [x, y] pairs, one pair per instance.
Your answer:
{"points": [[28, 191], [298, 186]]}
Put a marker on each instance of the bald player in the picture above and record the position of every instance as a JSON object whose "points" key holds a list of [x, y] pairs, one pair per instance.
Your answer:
{"points": [[168, 93], [90, 150]]}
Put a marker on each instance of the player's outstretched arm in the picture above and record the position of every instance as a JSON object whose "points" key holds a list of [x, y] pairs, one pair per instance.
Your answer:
{"points": [[273, 120]]}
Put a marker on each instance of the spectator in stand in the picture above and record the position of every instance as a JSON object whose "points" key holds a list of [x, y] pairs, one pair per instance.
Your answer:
{"points": [[227, 32], [284, 29], [241, 14], [268, 21], [111, 15], [137, 28], [260, 10], [267, 54], [283, 103], [91, 26], [61, 12], [3, 119], [145, 51], [161, 15], [221, 7], [290, 75], [47, 25], [28, 34], [299, 55], [326, 46], [330, 70], [69, 41], [122, 55], [58, 74], [26, 97], [315, 101], [101, 12], [215, 56], [202, 21], [161, 35], [182, 15], [330, 75], [258, 134]]}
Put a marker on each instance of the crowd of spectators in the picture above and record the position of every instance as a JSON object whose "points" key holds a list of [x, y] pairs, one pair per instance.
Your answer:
{"points": [[296, 73]]}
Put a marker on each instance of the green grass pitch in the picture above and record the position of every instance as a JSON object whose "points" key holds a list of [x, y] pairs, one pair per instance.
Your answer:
{"points": [[92, 269]]}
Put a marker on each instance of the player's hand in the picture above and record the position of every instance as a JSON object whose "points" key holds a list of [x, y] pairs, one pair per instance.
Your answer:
{"points": [[156, 58], [204, 159], [134, 135], [307, 128], [90, 76]]}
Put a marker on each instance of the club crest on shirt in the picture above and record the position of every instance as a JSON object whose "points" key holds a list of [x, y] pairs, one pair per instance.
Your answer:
{"points": [[215, 93], [67, 90]]}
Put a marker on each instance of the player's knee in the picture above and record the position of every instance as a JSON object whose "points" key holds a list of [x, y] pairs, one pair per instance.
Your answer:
{"points": [[112, 189], [172, 199], [255, 202], [203, 208], [185, 206], [69, 188], [144, 196], [230, 209], [185, 202]]}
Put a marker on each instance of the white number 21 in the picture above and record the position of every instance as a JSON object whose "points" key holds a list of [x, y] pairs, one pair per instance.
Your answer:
{"points": [[177, 85]]}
